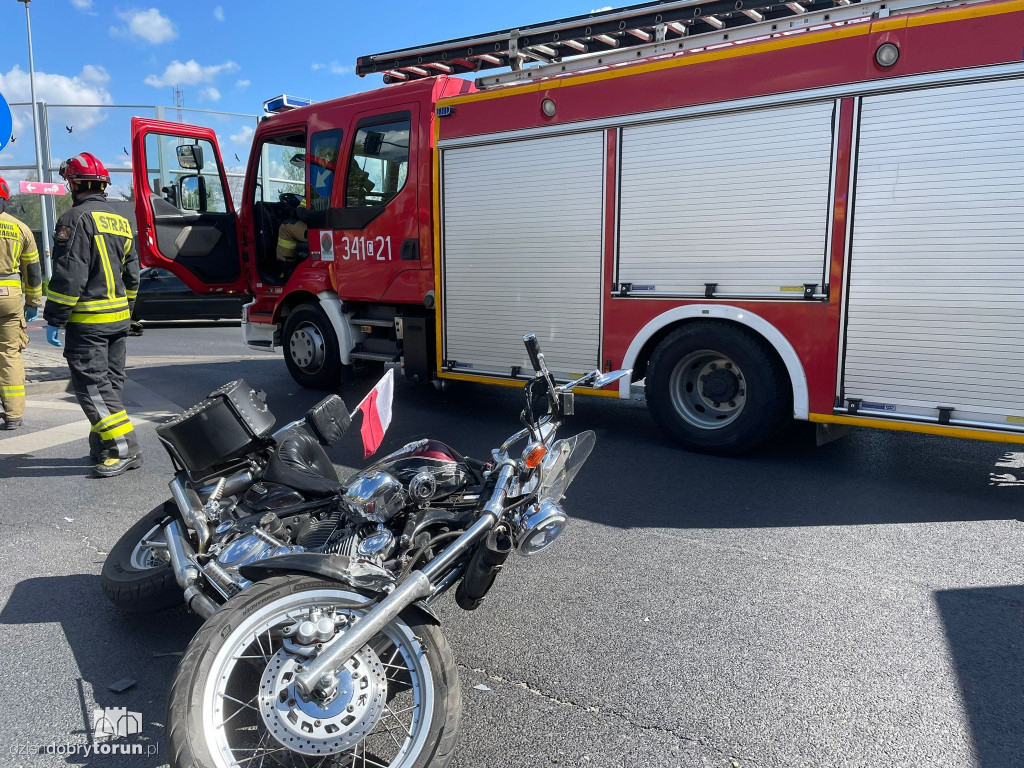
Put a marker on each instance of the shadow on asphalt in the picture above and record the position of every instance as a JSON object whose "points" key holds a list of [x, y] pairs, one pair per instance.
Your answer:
{"points": [[637, 477], [22, 465], [985, 631], [108, 647]]}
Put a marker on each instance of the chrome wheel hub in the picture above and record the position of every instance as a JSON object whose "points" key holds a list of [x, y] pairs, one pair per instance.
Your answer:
{"points": [[708, 389], [312, 729], [148, 555], [306, 347]]}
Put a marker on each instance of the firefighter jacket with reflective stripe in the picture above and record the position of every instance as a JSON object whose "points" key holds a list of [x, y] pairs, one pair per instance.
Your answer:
{"points": [[19, 261], [95, 266]]}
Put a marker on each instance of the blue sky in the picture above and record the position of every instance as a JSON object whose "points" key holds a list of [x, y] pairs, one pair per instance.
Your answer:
{"points": [[228, 56]]}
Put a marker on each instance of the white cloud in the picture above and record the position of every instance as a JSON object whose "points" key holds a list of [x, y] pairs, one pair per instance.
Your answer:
{"points": [[218, 13], [82, 5], [149, 25], [338, 69], [190, 72], [243, 83], [244, 136], [94, 75], [601, 10], [87, 87], [317, 66], [210, 94]]}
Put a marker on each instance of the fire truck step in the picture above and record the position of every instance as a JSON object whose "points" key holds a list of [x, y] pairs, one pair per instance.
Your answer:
{"points": [[372, 321], [379, 357]]}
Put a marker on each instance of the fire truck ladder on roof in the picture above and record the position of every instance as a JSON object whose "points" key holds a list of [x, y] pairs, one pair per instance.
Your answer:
{"points": [[625, 34]]}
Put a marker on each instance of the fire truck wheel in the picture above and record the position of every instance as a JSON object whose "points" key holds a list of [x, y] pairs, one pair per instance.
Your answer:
{"points": [[311, 348], [717, 388]]}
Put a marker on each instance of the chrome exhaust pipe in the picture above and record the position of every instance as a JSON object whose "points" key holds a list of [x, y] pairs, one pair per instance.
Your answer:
{"points": [[185, 573], [191, 509]]}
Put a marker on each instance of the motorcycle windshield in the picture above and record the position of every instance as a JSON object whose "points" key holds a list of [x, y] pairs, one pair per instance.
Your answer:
{"points": [[563, 463]]}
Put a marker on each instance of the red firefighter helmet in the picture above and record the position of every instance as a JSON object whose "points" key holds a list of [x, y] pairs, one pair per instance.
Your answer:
{"points": [[5, 191], [84, 167]]}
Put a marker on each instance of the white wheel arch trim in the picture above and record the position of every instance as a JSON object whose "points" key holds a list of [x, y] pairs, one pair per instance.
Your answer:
{"points": [[797, 376], [347, 335]]}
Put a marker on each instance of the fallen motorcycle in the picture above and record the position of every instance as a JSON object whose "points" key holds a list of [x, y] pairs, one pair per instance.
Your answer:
{"points": [[240, 493], [331, 655]]}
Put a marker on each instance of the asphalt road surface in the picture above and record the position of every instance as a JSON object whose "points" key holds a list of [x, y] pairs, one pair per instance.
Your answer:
{"points": [[860, 604]]}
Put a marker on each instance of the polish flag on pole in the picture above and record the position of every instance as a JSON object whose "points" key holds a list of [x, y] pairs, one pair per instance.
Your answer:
{"points": [[376, 408]]}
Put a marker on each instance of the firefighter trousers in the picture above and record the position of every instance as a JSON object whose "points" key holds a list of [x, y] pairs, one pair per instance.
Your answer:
{"points": [[96, 357], [13, 340]]}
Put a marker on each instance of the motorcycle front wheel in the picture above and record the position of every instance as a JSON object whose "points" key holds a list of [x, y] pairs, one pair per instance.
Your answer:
{"points": [[233, 700], [137, 576]]}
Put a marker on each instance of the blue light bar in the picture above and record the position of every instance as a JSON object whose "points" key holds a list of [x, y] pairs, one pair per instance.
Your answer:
{"points": [[284, 103]]}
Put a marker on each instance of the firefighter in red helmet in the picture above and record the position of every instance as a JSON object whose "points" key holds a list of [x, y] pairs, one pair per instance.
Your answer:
{"points": [[21, 293], [91, 295]]}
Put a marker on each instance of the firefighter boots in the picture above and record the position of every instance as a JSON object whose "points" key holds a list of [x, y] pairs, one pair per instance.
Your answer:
{"points": [[115, 467]]}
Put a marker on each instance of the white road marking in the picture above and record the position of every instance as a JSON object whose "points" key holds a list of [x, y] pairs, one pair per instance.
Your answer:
{"points": [[32, 404], [44, 438], [144, 406]]}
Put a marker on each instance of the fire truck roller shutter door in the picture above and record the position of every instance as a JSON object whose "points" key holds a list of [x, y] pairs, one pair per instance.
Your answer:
{"points": [[531, 267], [753, 219], [936, 293]]}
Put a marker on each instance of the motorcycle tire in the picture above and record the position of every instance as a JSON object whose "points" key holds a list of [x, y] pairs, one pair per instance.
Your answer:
{"points": [[129, 585], [186, 712]]}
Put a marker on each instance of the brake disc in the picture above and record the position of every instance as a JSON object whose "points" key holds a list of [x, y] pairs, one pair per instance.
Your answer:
{"points": [[311, 729]]}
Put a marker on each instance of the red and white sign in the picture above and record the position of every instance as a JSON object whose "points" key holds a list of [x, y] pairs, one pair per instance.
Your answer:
{"points": [[376, 408], [41, 188]]}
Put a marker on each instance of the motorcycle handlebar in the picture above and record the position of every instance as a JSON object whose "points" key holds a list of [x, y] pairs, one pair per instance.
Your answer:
{"points": [[533, 349]]}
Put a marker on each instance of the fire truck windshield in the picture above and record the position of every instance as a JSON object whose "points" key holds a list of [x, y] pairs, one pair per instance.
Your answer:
{"points": [[277, 172]]}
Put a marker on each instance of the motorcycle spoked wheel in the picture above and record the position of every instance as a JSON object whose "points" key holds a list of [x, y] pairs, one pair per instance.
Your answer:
{"points": [[139, 579], [232, 704]]}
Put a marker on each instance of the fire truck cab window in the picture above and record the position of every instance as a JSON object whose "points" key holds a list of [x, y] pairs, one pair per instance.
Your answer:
{"points": [[379, 164], [324, 149], [188, 178], [280, 205]]}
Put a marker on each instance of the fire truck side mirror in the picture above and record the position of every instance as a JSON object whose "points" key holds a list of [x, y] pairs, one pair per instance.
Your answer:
{"points": [[190, 157], [192, 193]]}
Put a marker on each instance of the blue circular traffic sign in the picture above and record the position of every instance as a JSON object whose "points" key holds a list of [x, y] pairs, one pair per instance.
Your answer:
{"points": [[6, 122]]}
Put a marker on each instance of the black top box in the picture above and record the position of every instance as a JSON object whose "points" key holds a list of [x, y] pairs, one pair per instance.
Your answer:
{"points": [[230, 423]]}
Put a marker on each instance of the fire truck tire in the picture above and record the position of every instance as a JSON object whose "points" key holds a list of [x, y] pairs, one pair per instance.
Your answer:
{"points": [[717, 388], [311, 348]]}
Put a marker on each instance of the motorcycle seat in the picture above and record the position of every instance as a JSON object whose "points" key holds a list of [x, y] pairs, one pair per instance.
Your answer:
{"points": [[300, 462]]}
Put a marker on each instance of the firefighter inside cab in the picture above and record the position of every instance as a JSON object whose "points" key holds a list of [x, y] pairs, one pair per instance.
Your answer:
{"points": [[292, 239], [91, 294]]}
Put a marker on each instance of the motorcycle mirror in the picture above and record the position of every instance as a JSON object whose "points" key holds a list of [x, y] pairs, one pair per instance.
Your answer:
{"points": [[604, 379], [568, 404]]}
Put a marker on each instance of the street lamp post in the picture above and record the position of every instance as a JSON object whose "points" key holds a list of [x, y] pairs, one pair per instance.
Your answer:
{"points": [[43, 217]]}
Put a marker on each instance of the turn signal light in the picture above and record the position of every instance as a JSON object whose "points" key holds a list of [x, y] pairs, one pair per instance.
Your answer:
{"points": [[534, 455]]}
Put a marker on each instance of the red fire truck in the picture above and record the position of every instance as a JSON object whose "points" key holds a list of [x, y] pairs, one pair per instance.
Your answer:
{"points": [[807, 210]]}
